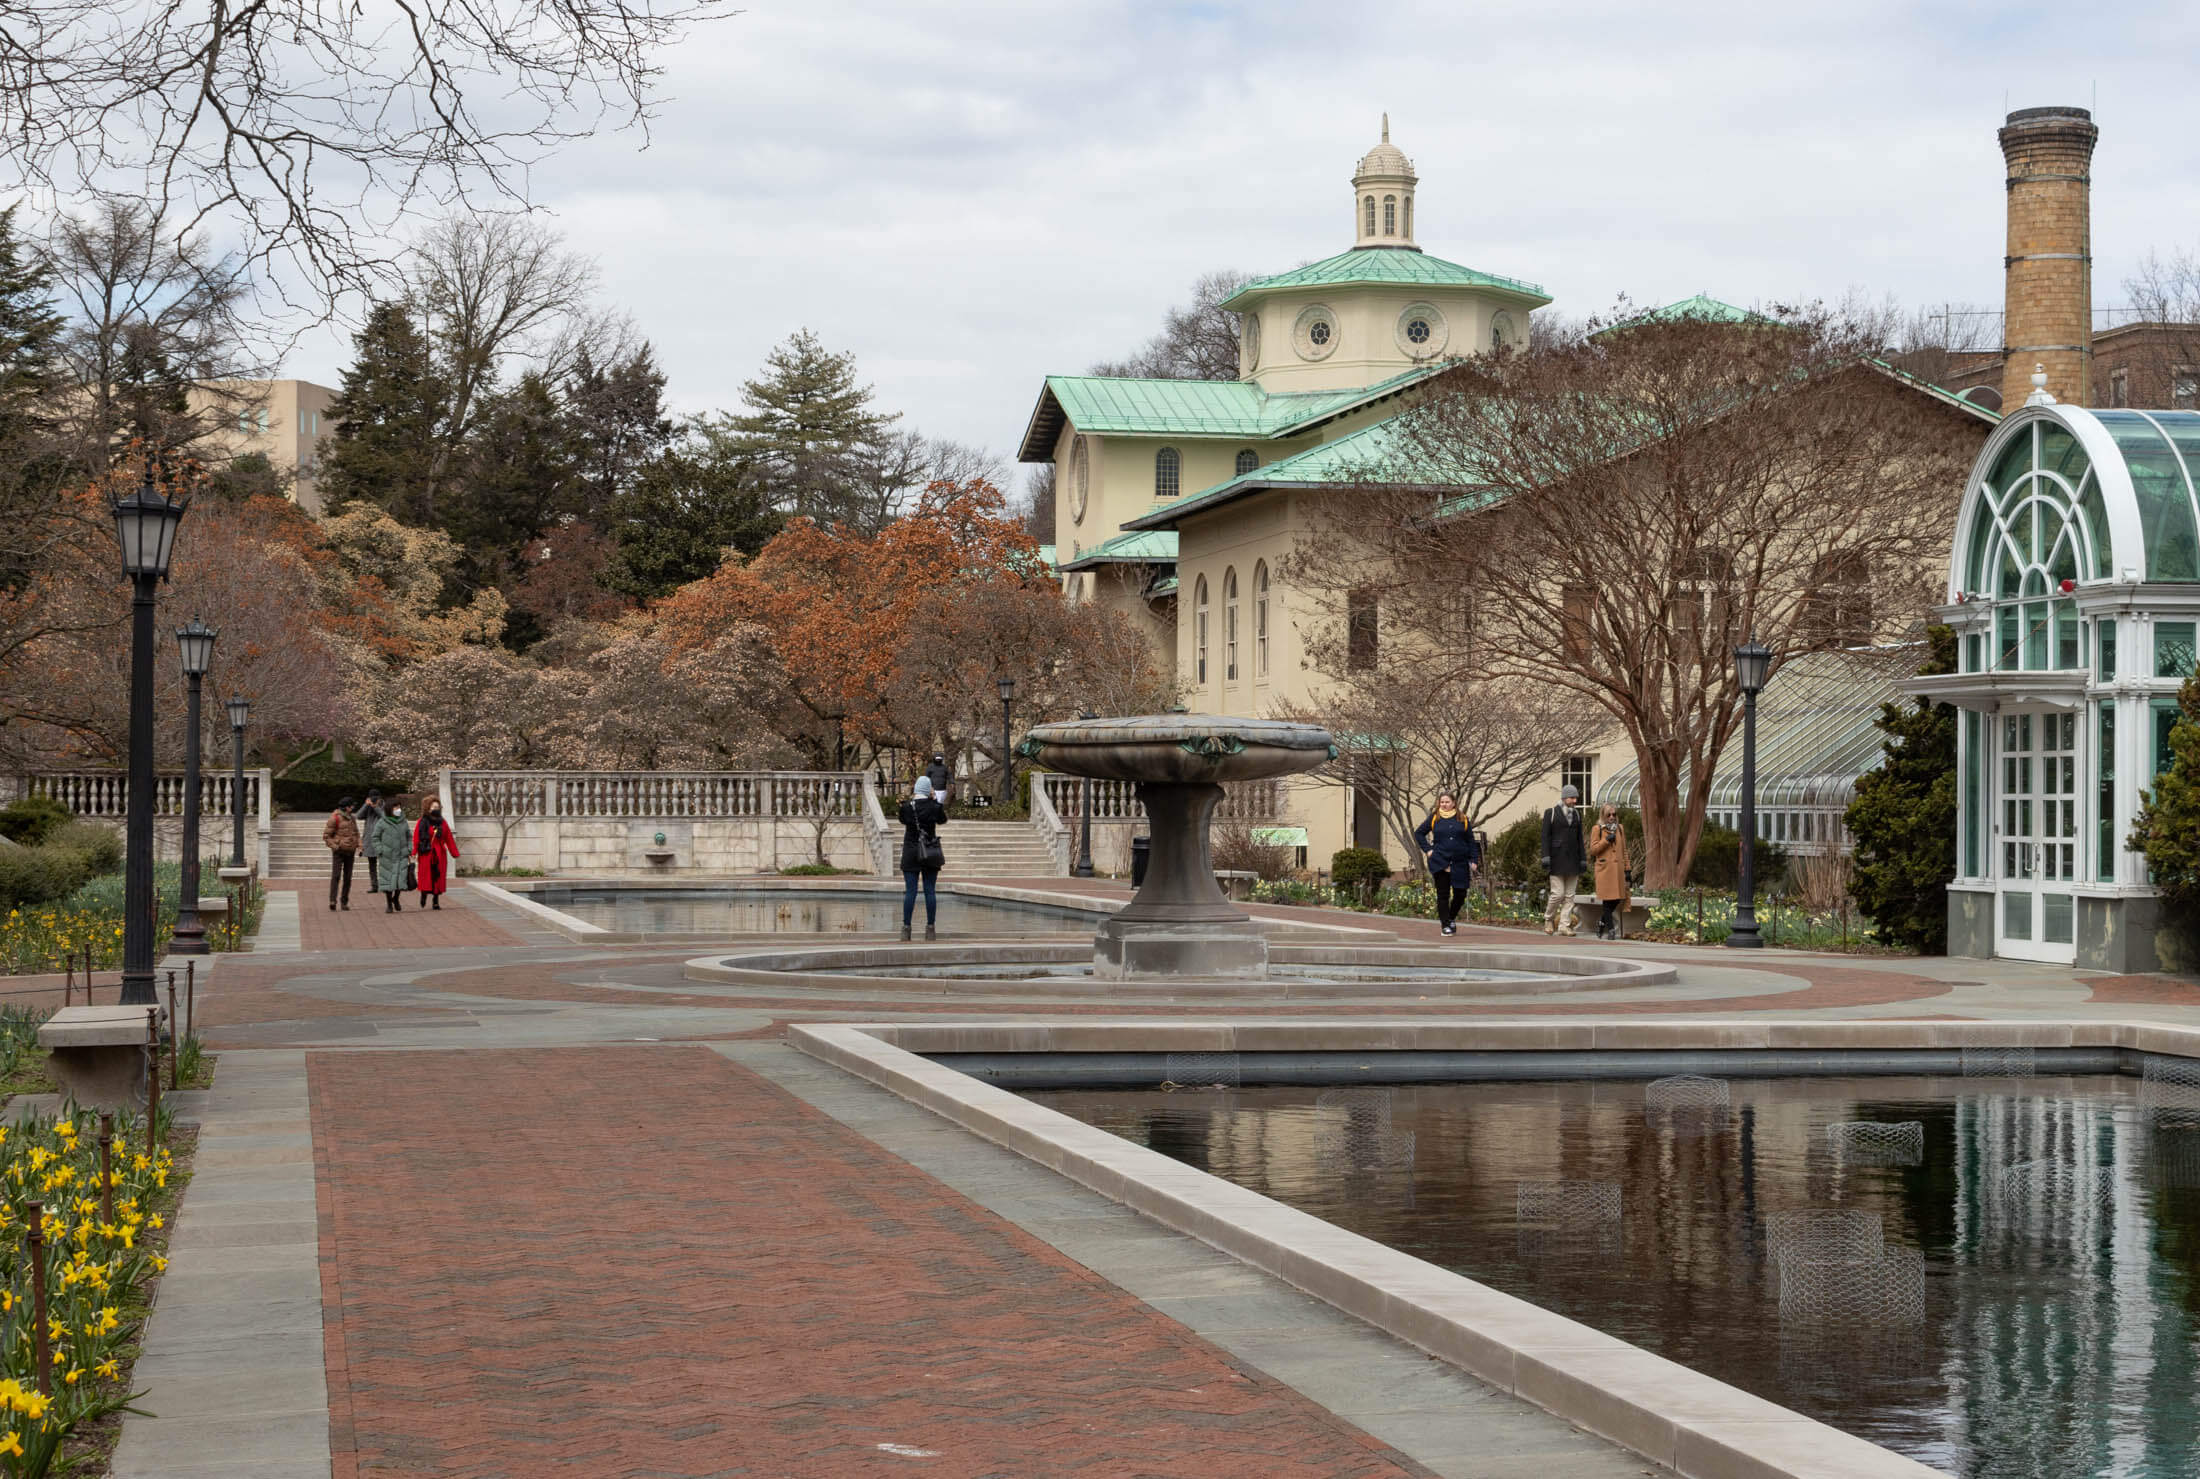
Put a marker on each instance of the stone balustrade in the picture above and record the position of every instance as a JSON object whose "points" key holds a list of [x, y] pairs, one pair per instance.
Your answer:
{"points": [[681, 794], [1257, 802], [106, 793]]}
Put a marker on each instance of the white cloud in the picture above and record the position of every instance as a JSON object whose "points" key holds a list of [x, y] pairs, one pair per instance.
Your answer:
{"points": [[971, 195]]}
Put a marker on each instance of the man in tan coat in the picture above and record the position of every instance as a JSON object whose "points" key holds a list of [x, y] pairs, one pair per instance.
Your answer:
{"points": [[340, 834]]}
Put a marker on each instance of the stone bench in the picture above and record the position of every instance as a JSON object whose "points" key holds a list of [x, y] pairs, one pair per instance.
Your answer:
{"points": [[1236, 883], [99, 1054], [1633, 919]]}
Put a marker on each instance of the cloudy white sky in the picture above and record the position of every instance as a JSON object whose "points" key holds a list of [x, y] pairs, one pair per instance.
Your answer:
{"points": [[970, 195]]}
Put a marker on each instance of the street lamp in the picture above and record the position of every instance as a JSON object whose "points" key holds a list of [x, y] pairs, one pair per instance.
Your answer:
{"points": [[196, 643], [240, 709], [1007, 687], [1084, 846], [145, 527], [1752, 664]]}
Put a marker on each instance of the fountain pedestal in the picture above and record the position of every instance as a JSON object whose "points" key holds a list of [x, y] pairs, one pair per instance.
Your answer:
{"points": [[1180, 923]]}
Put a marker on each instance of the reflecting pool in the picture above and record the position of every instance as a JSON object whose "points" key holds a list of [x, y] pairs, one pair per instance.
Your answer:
{"points": [[764, 911], [1993, 1276]]}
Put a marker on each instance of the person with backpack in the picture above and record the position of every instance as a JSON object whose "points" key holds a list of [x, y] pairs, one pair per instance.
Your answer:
{"points": [[340, 835], [921, 856], [1449, 848]]}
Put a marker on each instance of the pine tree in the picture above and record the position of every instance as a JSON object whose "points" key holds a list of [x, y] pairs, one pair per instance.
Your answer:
{"points": [[2167, 828], [387, 415], [810, 430], [29, 327], [697, 500], [1904, 818], [616, 425], [518, 480]]}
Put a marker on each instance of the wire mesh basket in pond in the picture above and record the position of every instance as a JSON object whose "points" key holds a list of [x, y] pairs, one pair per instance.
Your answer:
{"points": [[1874, 1143], [1884, 1288], [1201, 1070], [2000, 1062]]}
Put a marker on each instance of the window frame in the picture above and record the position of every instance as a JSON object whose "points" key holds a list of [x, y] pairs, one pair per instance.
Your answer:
{"points": [[1363, 631], [1229, 624], [1199, 632], [1168, 474], [1248, 460], [1260, 619]]}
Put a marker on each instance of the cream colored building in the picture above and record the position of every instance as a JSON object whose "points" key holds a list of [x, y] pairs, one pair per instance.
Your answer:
{"points": [[282, 420]]}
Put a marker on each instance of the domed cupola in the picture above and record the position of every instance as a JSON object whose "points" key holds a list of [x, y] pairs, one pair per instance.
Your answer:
{"points": [[1382, 196]]}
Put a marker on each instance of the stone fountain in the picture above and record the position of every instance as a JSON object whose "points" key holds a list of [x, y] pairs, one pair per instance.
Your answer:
{"points": [[1180, 923]]}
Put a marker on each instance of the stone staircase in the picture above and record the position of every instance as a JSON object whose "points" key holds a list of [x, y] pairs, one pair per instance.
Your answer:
{"points": [[294, 848], [993, 850]]}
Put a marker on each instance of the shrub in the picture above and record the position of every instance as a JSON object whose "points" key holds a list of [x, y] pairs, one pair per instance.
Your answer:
{"points": [[811, 870], [1358, 869], [1904, 818], [2167, 830], [1236, 850], [101, 846], [1516, 854], [1719, 861], [40, 875], [31, 820]]}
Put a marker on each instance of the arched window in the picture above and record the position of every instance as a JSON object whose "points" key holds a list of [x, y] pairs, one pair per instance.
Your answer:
{"points": [[1370, 231], [1390, 215], [1167, 470], [1701, 605], [1229, 625], [1260, 620], [1362, 618], [2040, 526], [1199, 631], [1409, 218], [1838, 607], [1247, 460]]}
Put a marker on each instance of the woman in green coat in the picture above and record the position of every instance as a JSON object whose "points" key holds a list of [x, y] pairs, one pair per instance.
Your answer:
{"points": [[390, 842]]}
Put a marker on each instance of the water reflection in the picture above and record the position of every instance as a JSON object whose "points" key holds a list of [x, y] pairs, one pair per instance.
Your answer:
{"points": [[736, 911], [1991, 1274]]}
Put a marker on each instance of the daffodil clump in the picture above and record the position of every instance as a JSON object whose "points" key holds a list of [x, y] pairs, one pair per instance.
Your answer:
{"points": [[97, 1269]]}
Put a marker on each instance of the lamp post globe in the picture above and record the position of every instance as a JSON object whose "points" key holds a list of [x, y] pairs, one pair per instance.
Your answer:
{"points": [[240, 710], [1007, 689], [195, 644], [145, 530], [1752, 668]]}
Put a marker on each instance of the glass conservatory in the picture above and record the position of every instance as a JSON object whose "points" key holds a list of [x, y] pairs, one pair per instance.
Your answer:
{"points": [[2074, 591]]}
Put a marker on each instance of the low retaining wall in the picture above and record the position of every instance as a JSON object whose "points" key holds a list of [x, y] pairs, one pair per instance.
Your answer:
{"points": [[620, 847]]}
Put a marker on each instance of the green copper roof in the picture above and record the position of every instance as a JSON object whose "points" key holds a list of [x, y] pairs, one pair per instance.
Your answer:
{"points": [[1373, 454], [1398, 266], [1236, 409], [1703, 308], [1144, 547]]}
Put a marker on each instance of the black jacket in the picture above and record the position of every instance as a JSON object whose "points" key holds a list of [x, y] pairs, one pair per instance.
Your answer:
{"points": [[1451, 848], [1565, 852], [919, 814], [940, 777]]}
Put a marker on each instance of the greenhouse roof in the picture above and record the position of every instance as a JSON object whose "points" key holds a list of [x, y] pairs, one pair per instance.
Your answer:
{"points": [[1817, 731]]}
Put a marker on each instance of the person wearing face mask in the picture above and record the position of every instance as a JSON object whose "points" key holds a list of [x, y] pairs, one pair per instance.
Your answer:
{"points": [[1608, 845], [390, 845], [1565, 859], [1448, 847], [433, 848]]}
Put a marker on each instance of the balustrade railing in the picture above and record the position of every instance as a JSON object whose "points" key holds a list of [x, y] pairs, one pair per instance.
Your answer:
{"points": [[1257, 802], [106, 793], [642, 794]]}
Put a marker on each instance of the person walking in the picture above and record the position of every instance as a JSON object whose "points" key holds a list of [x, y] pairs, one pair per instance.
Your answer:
{"points": [[921, 856], [1448, 847], [367, 816], [434, 846], [1564, 861], [389, 844], [340, 835], [941, 777], [1608, 846]]}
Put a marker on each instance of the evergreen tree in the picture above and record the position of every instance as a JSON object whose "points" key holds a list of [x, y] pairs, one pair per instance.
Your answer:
{"points": [[810, 432], [386, 416], [1904, 818], [518, 481], [616, 426], [2167, 828], [697, 500], [30, 330]]}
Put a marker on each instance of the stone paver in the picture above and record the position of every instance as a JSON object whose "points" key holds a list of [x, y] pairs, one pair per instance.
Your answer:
{"points": [[367, 926], [652, 1261], [232, 1367]]}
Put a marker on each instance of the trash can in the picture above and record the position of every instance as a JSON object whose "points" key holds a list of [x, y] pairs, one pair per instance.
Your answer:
{"points": [[1140, 846]]}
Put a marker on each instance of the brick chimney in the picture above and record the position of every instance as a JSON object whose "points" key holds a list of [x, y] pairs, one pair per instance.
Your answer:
{"points": [[2049, 291]]}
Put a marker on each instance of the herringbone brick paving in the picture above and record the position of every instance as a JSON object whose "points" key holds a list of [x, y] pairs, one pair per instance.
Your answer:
{"points": [[650, 1261]]}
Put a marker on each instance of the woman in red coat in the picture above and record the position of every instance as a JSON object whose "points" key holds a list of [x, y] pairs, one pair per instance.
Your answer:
{"points": [[433, 848]]}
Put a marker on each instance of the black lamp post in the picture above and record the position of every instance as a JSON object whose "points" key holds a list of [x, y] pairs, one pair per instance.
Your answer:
{"points": [[1007, 687], [240, 709], [196, 643], [1084, 846], [145, 526], [1752, 664]]}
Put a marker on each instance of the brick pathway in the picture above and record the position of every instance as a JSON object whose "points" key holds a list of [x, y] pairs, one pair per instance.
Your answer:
{"points": [[364, 926], [649, 1261]]}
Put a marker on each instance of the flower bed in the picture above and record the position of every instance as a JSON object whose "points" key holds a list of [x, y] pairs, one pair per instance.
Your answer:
{"points": [[46, 937], [100, 1256]]}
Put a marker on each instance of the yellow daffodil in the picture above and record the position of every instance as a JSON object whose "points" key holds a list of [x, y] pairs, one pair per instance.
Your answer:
{"points": [[160, 1264], [12, 1446], [109, 1369], [74, 1373]]}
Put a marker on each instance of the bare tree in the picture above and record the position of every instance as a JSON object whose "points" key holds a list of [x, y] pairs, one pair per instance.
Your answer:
{"points": [[312, 128], [158, 344], [1039, 503], [1198, 340], [1627, 505], [1417, 729]]}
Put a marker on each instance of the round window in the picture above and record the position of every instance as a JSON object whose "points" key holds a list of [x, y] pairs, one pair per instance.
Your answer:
{"points": [[1080, 480], [1249, 342], [1417, 331], [1314, 333], [1421, 331]]}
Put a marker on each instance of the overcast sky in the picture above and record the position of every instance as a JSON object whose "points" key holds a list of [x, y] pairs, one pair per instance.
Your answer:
{"points": [[972, 195]]}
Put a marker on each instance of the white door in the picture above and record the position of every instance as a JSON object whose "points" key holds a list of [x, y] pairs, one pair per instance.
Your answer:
{"points": [[2038, 832]]}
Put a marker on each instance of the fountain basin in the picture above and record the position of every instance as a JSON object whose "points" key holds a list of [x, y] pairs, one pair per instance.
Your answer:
{"points": [[1204, 749]]}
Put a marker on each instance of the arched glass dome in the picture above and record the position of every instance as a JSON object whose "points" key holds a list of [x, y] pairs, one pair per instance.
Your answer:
{"points": [[2062, 494]]}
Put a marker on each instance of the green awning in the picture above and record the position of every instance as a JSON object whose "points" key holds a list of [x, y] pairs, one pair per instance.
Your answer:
{"points": [[1280, 836]]}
